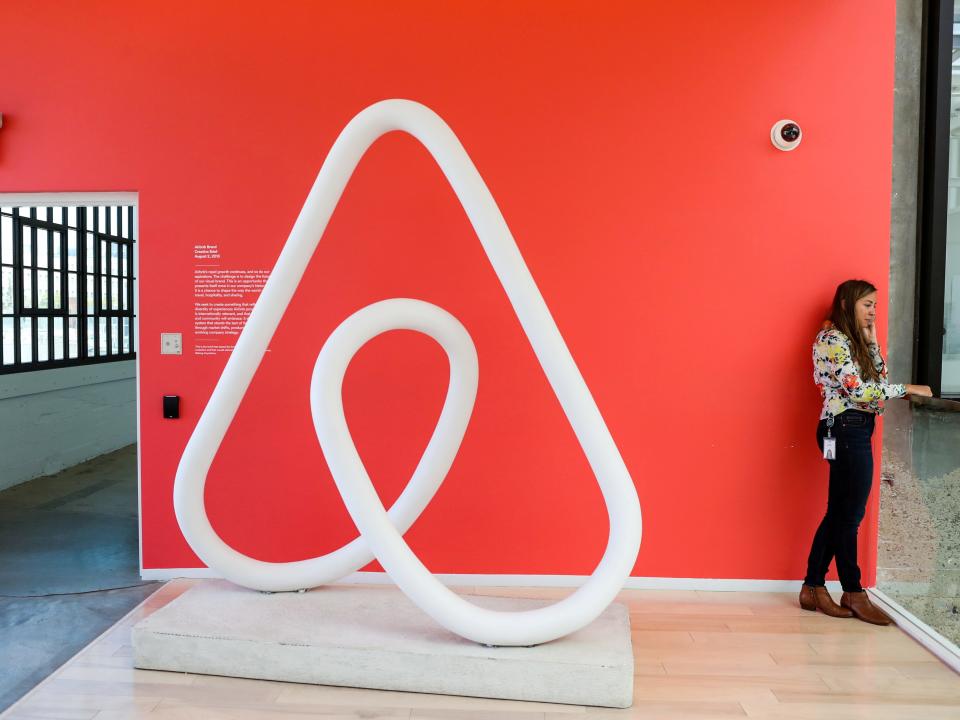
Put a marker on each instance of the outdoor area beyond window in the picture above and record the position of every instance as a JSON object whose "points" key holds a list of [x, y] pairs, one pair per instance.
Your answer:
{"points": [[66, 283]]}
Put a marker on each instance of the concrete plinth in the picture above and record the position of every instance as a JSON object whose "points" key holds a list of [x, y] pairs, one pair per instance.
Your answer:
{"points": [[374, 637]]}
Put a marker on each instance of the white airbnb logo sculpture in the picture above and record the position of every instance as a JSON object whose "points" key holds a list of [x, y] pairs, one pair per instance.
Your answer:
{"points": [[381, 531]]}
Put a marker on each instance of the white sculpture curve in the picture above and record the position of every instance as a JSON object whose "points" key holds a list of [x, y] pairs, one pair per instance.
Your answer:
{"points": [[382, 530]]}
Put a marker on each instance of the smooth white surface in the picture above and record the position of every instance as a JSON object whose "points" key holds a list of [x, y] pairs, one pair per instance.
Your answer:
{"points": [[382, 530], [374, 637]]}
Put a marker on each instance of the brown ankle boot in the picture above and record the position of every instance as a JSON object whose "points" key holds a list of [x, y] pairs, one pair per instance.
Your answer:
{"points": [[859, 603], [814, 598]]}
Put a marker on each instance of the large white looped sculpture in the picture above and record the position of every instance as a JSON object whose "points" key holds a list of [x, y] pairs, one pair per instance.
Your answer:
{"points": [[381, 531]]}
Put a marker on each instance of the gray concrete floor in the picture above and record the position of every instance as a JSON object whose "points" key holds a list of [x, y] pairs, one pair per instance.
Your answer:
{"points": [[69, 566]]}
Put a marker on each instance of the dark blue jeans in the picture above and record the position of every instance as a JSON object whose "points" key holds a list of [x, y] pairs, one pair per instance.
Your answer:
{"points": [[851, 476]]}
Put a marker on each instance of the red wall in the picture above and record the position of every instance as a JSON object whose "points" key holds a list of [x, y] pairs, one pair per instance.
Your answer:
{"points": [[686, 261]]}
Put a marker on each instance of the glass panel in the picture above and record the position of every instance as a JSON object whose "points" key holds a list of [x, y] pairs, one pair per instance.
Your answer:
{"points": [[124, 287], [103, 336], [58, 215], [102, 219], [6, 290], [26, 337], [918, 554], [43, 290], [114, 225], [71, 249], [73, 301], [104, 254], [8, 341], [58, 338], [135, 229], [57, 249], [114, 259], [91, 217], [125, 222], [27, 245], [115, 337], [28, 289], [950, 378], [43, 349], [42, 241], [23, 211], [114, 294], [950, 372], [41, 213], [90, 305], [91, 339], [90, 254], [57, 291], [104, 300], [126, 335], [72, 217], [73, 338], [6, 239]]}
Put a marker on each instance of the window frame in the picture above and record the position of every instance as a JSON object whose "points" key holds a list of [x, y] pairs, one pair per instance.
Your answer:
{"points": [[125, 274]]}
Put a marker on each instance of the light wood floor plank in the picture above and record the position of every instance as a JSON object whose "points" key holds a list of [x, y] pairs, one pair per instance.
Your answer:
{"points": [[856, 711], [666, 711], [322, 695], [683, 623], [694, 688], [172, 710], [52, 702], [53, 714], [475, 715], [874, 697]]}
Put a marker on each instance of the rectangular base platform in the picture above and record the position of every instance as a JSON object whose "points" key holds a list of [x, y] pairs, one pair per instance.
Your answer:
{"points": [[374, 637]]}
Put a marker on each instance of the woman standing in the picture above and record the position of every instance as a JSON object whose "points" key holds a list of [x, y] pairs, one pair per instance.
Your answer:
{"points": [[852, 377]]}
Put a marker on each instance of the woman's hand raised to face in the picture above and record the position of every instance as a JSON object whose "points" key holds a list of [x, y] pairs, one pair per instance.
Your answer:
{"points": [[870, 334], [921, 390]]}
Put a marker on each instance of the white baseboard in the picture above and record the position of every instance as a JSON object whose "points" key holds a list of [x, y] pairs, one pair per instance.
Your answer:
{"points": [[633, 583], [916, 628]]}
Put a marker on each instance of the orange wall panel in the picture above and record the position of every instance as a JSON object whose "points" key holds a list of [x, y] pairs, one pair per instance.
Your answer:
{"points": [[686, 261]]}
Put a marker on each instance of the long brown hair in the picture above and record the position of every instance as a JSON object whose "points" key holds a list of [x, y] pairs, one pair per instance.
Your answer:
{"points": [[844, 318]]}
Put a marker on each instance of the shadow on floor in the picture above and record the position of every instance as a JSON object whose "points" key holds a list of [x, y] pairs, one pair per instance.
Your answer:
{"points": [[69, 566]]}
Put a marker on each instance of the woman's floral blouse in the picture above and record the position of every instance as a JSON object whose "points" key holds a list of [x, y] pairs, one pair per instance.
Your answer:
{"points": [[836, 374]]}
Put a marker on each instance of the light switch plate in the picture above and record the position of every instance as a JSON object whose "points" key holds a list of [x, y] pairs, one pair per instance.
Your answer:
{"points": [[171, 344]]}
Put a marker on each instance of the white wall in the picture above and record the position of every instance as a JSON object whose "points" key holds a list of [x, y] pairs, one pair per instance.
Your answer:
{"points": [[52, 419]]}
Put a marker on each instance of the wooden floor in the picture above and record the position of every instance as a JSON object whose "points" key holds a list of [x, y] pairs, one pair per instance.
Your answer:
{"points": [[698, 655]]}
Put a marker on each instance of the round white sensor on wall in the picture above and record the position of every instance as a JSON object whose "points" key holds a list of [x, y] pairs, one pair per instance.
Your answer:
{"points": [[786, 135]]}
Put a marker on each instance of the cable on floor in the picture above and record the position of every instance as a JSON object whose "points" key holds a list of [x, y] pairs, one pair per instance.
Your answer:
{"points": [[83, 592]]}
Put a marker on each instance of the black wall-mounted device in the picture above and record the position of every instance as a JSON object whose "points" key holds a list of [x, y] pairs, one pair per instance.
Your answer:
{"points": [[171, 406]]}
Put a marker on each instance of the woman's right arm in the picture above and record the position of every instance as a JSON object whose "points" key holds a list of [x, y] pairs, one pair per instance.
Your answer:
{"points": [[881, 366]]}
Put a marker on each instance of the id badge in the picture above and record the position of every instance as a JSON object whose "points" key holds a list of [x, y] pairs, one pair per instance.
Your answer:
{"points": [[830, 448]]}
